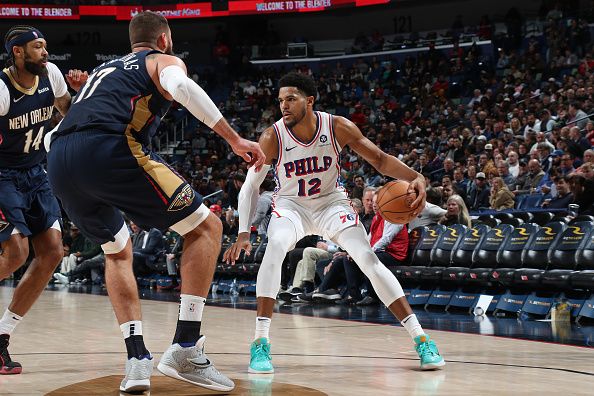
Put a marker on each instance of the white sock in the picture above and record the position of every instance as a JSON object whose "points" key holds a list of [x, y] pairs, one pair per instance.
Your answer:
{"points": [[9, 321], [262, 327], [411, 324], [191, 307], [131, 328]]}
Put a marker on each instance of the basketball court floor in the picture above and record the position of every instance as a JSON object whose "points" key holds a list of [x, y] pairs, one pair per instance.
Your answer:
{"points": [[70, 344]]}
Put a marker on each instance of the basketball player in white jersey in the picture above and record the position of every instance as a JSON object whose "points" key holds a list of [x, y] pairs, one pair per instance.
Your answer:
{"points": [[304, 146]]}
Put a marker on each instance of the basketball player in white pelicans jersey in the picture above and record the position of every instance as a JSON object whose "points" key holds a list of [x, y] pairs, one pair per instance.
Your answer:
{"points": [[304, 146]]}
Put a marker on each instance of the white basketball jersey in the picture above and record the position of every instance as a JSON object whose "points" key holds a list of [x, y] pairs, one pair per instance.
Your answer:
{"points": [[307, 169]]}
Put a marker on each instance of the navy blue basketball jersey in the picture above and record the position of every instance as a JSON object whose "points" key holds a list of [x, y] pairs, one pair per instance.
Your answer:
{"points": [[22, 128], [118, 98]]}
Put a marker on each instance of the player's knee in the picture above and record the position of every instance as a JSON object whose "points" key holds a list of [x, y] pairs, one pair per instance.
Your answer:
{"points": [[211, 227], [366, 260], [15, 254], [54, 255]]}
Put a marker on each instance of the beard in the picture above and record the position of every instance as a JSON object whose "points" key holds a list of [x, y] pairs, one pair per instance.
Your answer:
{"points": [[296, 119], [35, 68], [169, 48]]}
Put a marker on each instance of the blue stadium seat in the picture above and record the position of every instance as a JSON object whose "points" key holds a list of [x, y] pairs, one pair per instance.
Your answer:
{"points": [[484, 258], [421, 254], [530, 201], [561, 256], [462, 256], [509, 257], [584, 258], [535, 256], [441, 255]]}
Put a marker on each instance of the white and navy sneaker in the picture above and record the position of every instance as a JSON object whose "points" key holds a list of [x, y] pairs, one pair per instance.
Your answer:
{"points": [[138, 375], [192, 365]]}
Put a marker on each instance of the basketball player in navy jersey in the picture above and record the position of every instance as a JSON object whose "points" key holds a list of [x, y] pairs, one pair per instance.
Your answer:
{"points": [[304, 147], [100, 163], [30, 87]]}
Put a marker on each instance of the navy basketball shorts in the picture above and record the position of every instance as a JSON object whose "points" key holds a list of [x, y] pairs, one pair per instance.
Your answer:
{"points": [[97, 176], [27, 204]]}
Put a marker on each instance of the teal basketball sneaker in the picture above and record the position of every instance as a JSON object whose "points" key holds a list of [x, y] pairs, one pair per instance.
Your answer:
{"points": [[427, 350], [260, 360]]}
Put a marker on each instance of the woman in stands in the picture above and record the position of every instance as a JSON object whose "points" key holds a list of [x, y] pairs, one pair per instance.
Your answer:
{"points": [[457, 212], [501, 198]]}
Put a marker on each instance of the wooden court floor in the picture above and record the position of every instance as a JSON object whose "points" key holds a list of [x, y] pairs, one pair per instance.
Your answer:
{"points": [[70, 344]]}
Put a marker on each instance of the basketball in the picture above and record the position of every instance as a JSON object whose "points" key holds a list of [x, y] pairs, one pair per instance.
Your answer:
{"points": [[393, 201]]}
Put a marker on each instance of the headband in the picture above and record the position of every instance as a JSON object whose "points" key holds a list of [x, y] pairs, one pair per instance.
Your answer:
{"points": [[23, 39]]}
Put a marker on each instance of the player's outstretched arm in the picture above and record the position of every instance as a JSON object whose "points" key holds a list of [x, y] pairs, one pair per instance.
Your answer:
{"points": [[248, 198], [172, 78], [348, 134]]}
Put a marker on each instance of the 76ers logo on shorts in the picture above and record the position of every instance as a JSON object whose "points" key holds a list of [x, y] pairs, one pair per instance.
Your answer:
{"points": [[346, 216], [183, 199]]}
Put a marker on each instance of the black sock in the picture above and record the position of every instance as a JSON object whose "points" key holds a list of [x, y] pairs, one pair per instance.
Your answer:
{"points": [[187, 333], [135, 347]]}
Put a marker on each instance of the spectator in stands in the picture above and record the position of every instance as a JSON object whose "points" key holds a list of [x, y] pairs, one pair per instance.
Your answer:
{"points": [[146, 249], [566, 167], [576, 116], [589, 156], [432, 212], [583, 192], [501, 197], [587, 169], [369, 213], [535, 175], [564, 196], [514, 164], [264, 207], [303, 280], [545, 157], [359, 186], [91, 269], [457, 213], [79, 249], [577, 144], [479, 197], [503, 172]]}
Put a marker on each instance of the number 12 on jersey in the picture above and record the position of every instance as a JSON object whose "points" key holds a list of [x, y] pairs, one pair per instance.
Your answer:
{"points": [[313, 189]]}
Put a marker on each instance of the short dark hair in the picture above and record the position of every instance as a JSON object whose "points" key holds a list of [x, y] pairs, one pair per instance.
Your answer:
{"points": [[12, 33], [146, 27], [304, 83]]}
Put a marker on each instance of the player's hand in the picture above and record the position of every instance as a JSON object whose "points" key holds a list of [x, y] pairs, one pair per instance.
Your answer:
{"points": [[76, 78], [418, 186], [250, 152], [242, 243]]}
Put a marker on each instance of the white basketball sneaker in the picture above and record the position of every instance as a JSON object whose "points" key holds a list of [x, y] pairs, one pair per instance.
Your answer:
{"points": [[192, 365], [138, 375]]}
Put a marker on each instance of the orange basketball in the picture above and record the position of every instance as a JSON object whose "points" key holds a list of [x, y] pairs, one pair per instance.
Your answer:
{"points": [[394, 202]]}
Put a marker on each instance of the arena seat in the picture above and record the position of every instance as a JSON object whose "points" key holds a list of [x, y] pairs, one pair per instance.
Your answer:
{"points": [[586, 218], [542, 218], [535, 256], [561, 256], [441, 255], [509, 257], [421, 254], [484, 258], [513, 221], [489, 220], [526, 216], [584, 277], [530, 201], [462, 255]]}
